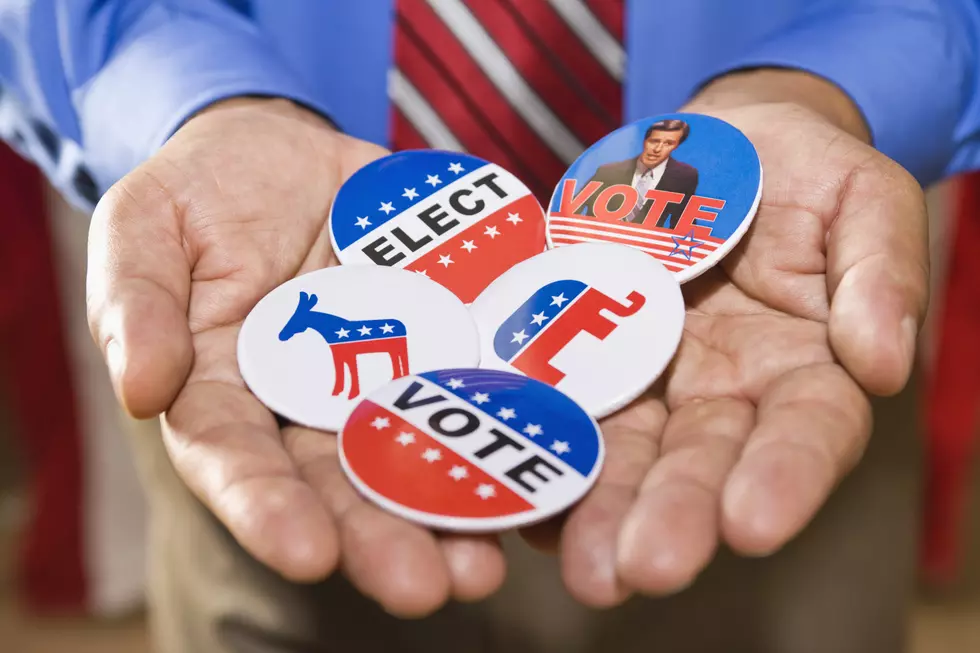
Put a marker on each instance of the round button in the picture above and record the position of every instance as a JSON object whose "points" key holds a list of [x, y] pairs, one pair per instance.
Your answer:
{"points": [[314, 346], [681, 187], [598, 321], [471, 450], [452, 217]]}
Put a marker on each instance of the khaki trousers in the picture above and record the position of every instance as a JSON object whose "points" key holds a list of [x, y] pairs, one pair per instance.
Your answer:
{"points": [[843, 586]]}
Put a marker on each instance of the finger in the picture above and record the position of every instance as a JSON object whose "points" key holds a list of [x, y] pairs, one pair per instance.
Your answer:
{"points": [[476, 565], [878, 275], [812, 426], [227, 449], [396, 563], [671, 532], [589, 541], [138, 283], [545, 537]]}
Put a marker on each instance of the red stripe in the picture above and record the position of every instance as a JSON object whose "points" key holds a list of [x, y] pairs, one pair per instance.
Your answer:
{"points": [[540, 73], [611, 238], [561, 40], [400, 473], [654, 231], [404, 136], [653, 238], [471, 81], [432, 84], [610, 14], [678, 260], [472, 271]]}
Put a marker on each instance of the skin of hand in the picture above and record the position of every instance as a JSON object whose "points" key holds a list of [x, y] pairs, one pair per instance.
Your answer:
{"points": [[180, 250], [764, 408], [758, 417]]}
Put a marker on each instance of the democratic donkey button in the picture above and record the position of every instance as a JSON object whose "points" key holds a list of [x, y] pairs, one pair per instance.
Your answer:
{"points": [[452, 217], [681, 187], [471, 450], [598, 321], [314, 346]]}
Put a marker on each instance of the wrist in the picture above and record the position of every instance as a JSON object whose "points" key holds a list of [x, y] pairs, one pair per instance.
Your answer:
{"points": [[783, 86], [272, 105]]}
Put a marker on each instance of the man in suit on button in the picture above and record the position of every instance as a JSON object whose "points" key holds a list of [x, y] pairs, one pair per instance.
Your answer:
{"points": [[653, 168]]}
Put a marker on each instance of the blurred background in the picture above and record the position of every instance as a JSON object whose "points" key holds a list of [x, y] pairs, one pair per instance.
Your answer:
{"points": [[72, 515]]}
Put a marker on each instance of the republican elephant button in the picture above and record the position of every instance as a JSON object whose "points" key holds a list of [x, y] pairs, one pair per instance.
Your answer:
{"points": [[471, 450], [599, 322], [314, 346], [684, 188], [455, 218]]}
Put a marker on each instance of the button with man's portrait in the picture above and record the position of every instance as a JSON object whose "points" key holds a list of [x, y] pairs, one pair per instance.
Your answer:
{"points": [[681, 187]]}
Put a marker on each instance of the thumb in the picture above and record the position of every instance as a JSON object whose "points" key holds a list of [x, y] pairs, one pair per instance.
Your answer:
{"points": [[137, 288], [878, 274]]}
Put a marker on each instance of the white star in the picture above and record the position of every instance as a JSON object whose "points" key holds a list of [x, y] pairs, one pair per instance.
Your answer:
{"points": [[381, 423], [491, 231], [533, 429], [506, 413], [445, 260], [455, 384], [386, 207], [514, 218], [520, 337], [433, 179], [364, 330], [422, 272], [560, 447], [432, 455], [456, 168], [538, 318], [343, 333], [410, 193], [559, 300], [387, 328], [363, 223], [468, 245], [485, 491], [405, 438], [480, 397], [458, 472]]}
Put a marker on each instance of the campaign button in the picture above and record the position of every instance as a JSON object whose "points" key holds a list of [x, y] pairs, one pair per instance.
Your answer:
{"points": [[452, 217], [598, 321], [682, 187], [471, 450], [314, 346]]}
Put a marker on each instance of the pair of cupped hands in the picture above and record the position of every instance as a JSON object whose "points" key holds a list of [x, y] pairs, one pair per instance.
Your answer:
{"points": [[762, 412]]}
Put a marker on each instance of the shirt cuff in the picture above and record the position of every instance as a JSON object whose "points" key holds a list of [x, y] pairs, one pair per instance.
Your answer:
{"points": [[902, 69], [168, 68]]}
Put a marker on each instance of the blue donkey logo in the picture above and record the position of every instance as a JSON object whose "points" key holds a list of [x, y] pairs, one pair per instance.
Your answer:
{"points": [[347, 339]]}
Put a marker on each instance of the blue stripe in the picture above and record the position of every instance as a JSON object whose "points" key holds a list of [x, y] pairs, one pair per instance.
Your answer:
{"points": [[534, 315], [534, 402], [386, 180]]}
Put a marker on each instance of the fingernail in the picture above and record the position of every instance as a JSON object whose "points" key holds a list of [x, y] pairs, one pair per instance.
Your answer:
{"points": [[114, 358], [910, 330]]}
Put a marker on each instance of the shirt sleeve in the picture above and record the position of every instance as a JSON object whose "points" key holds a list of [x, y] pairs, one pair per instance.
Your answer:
{"points": [[911, 66], [93, 87]]}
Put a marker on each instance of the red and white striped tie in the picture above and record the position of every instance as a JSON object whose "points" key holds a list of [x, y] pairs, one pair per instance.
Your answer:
{"points": [[525, 84]]}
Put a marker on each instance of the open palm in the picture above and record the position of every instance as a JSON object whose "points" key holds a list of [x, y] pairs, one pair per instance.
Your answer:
{"points": [[760, 414], [763, 409], [181, 250]]}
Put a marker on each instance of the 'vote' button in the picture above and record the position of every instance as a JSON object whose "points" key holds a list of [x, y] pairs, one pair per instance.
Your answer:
{"points": [[471, 450]]}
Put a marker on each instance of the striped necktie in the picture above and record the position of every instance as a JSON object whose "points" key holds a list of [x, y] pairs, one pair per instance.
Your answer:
{"points": [[525, 84]]}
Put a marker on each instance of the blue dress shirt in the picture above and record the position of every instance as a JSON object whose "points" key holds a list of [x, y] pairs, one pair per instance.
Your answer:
{"points": [[106, 82]]}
